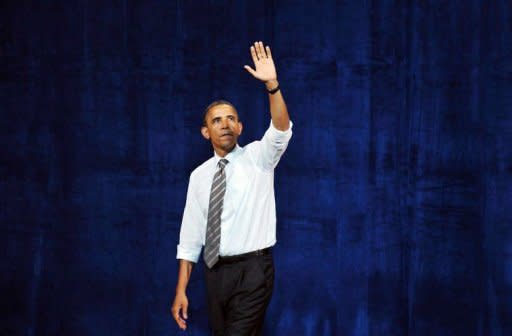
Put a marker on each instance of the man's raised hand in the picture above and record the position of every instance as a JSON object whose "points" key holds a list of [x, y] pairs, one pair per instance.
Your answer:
{"points": [[265, 69]]}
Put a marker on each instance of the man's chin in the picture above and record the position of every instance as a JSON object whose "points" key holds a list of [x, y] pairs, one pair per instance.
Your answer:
{"points": [[229, 147]]}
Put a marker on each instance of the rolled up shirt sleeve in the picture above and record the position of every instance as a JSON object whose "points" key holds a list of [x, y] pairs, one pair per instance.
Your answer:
{"points": [[273, 146], [192, 226]]}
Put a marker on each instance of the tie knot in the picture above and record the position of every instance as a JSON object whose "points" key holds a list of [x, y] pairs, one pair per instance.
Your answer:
{"points": [[223, 163]]}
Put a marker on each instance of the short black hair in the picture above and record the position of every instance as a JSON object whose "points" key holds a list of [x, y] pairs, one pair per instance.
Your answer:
{"points": [[216, 103]]}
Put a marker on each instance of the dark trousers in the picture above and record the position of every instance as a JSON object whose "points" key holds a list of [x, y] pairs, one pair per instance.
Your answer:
{"points": [[239, 290]]}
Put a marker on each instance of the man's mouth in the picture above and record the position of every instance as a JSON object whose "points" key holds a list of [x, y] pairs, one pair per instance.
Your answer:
{"points": [[226, 135]]}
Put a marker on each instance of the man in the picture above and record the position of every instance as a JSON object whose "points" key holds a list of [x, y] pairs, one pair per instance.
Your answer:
{"points": [[230, 209]]}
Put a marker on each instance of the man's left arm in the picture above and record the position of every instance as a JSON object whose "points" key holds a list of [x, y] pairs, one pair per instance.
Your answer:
{"points": [[265, 71]]}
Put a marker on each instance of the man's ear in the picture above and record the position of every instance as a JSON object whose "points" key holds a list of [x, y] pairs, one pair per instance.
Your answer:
{"points": [[205, 133], [240, 127]]}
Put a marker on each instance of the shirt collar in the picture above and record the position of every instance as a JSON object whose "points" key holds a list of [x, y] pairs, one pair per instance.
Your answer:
{"points": [[230, 156]]}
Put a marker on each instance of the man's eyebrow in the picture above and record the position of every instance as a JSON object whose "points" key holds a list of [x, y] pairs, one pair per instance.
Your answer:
{"points": [[227, 116]]}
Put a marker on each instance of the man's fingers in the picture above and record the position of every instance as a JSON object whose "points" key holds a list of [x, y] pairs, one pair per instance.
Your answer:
{"points": [[250, 70], [176, 315], [185, 310], [253, 54], [259, 50], [269, 54], [262, 50], [181, 323]]}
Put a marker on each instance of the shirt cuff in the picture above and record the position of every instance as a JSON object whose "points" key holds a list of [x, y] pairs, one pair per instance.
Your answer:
{"points": [[190, 254], [275, 133]]}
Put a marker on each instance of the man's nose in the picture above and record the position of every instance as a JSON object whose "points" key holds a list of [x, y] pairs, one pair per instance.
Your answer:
{"points": [[224, 123]]}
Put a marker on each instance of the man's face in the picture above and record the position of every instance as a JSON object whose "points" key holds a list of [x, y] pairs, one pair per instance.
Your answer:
{"points": [[222, 128]]}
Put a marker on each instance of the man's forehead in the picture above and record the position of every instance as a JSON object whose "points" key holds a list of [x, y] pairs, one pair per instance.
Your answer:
{"points": [[221, 110]]}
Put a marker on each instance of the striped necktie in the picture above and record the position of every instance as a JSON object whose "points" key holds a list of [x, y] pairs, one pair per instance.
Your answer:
{"points": [[212, 241]]}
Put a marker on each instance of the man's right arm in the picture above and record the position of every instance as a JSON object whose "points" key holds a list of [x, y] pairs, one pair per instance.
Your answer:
{"points": [[189, 248], [180, 305]]}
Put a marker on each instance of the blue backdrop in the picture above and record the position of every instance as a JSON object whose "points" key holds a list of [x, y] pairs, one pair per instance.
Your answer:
{"points": [[394, 197]]}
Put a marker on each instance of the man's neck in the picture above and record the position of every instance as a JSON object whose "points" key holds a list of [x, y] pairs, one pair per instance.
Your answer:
{"points": [[222, 153]]}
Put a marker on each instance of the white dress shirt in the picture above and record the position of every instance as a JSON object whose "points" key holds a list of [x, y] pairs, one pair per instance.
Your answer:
{"points": [[248, 220]]}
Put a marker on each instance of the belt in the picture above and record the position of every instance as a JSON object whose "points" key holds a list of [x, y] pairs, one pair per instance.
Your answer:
{"points": [[244, 256]]}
